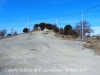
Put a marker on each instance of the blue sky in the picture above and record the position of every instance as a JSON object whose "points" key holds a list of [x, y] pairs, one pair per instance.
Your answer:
{"points": [[14, 13]]}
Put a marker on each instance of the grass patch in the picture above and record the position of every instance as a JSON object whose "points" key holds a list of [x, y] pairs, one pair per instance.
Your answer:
{"points": [[94, 44]]}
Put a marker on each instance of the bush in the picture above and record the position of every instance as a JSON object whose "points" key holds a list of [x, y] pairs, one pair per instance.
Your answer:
{"points": [[42, 26], [35, 27], [15, 33], [49, 26], [8, 35], [68, 30], [55, 28], [25, 30], [97, 37], [74, 33], [61, 31]]}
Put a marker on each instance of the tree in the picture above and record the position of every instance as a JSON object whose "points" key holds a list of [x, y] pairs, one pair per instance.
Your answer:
{"points": [[25, 30], [3, 32], [55, 28], [86, 28], [68, 30], [8, 35], [74, 33], [36, 27], [49, 26], [15, 33], [88, 35], [42, 26], [61, 31]]}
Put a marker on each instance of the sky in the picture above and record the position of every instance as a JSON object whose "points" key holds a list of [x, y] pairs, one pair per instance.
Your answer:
{"points": [[14, 13]]}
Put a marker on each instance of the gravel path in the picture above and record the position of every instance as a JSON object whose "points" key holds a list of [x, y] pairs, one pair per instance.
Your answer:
{"points": [[44, 54]]}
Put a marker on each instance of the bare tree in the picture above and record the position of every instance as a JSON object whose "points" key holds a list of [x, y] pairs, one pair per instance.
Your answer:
{"points": [[3, 32], [86, 28], [15, 33]]}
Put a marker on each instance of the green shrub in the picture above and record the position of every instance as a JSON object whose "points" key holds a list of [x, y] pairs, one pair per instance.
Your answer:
{"points": [[25, 30]]}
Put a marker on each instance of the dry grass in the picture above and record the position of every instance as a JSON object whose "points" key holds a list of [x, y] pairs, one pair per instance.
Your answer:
{"points": [[64, 37], [93, 43]]}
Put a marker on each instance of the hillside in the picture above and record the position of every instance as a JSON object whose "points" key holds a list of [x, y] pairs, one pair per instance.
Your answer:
{"points": [[44, 54]]}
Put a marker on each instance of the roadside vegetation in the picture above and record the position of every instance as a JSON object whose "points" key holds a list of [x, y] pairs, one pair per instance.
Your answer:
{"points": [[74, 33], [3, 34], [93, 43], [68, 32]]}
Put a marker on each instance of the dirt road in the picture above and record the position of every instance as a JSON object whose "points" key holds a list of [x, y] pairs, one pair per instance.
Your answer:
{"points": [[44, 54]]}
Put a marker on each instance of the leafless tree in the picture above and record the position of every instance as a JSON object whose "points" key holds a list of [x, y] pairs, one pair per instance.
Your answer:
{"points": [[15, 33], [86, 28], [3, 32]]}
